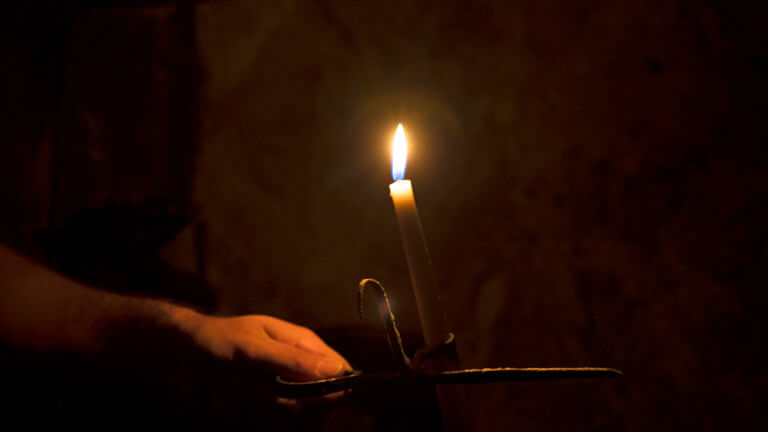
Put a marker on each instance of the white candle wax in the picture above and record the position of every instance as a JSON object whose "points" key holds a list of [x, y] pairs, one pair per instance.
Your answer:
{"points": [[428, 300]]}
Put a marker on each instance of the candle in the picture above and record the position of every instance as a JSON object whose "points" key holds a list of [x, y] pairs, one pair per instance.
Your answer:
{"points": [[428, 301]]}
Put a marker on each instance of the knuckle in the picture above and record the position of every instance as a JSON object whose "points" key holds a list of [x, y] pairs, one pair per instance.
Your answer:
{"points": [[296, 361], [307, 335]]}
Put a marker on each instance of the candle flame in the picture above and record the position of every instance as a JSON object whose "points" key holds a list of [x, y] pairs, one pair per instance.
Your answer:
{"points": [[399, 154]]}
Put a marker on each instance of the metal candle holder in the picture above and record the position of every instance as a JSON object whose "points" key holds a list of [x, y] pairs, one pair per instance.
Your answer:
{"points": [[433, 365]]}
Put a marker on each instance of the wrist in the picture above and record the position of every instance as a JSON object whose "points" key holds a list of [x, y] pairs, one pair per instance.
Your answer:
{"points": [[183, 319]]}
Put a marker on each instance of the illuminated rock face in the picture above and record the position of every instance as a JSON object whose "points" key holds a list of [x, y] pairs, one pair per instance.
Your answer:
{"points": [[590, 181]]}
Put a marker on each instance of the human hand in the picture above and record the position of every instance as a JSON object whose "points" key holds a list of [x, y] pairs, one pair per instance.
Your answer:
{"points": [[277, 346]]}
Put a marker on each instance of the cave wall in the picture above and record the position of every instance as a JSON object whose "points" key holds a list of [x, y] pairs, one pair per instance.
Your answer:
{"points": [[591, 178]]}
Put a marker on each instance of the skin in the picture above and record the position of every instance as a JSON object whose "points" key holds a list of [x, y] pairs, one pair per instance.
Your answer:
{"points": [[45, 311]]}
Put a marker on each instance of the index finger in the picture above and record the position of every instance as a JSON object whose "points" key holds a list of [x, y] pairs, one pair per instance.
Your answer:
{"points": [[301, 337]]}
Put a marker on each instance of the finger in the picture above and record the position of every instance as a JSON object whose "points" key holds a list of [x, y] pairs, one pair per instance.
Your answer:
{"points": [[300, 337], [300, 364], [315, 344], [293, 334]]}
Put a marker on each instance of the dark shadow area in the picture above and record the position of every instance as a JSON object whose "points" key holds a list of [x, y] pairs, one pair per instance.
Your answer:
{"points": [[591, 180]]}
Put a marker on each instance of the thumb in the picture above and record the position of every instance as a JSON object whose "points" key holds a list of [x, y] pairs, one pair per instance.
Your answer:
{"points": [[299, 364]]}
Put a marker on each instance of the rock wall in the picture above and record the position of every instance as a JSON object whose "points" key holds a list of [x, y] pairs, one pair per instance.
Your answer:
{"points": [[591, 181]]}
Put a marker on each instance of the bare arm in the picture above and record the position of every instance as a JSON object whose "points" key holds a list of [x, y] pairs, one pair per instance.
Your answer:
{"points": [[43, 310]]}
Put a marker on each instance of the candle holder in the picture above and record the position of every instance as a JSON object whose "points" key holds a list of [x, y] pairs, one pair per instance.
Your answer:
{"points": [[429, 365]]}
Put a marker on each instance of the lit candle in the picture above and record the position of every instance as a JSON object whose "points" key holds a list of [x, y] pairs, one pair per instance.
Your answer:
{"points": [[433, 322]]}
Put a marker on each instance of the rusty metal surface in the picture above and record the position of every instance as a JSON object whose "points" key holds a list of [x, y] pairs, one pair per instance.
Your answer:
{"points": [[428, 366], [357, 379]]}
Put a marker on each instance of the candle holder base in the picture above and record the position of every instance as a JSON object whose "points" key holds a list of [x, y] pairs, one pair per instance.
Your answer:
{"points": [[429, 365]]}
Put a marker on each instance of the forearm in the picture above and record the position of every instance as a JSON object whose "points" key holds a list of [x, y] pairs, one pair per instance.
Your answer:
{"points": [[44, 310]]}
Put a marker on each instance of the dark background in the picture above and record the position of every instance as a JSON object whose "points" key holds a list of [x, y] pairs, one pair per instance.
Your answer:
{"points": [[591, 181]]}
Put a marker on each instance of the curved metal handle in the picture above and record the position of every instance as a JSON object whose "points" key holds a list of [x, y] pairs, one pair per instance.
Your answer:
{"points": [[385, 312]]}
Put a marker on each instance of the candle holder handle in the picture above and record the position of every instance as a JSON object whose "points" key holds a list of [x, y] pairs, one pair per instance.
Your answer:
{"points": [[427, 359], [401, 359]]}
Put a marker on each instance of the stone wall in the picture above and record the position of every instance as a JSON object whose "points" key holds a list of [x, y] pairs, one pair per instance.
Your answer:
{"points": [[591, 179]]}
